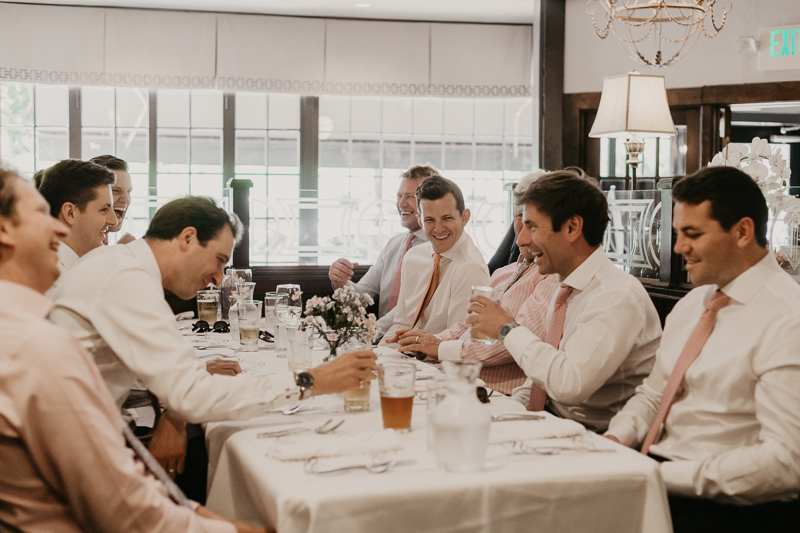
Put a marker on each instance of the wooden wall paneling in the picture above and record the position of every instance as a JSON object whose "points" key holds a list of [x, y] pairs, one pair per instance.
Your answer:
{"points": [[551, 86]]}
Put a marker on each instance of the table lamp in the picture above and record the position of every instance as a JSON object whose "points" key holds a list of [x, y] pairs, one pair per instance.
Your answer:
{"points": [[633, 107]]}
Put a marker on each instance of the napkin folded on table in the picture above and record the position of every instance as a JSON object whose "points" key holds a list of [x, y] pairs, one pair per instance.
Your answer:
{"points": [[304, 446], [549, 428]]}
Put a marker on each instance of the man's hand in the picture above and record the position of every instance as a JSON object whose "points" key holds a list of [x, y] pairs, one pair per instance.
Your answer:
{"points": [[341, 272], [168, 444], [125, 239], [344, 372], [489, 317], [223, 367], [241, 527], [416, 340]]}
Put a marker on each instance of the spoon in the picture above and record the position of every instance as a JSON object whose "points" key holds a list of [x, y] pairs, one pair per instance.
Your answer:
{"points": [[372, 468], [327, 427]]}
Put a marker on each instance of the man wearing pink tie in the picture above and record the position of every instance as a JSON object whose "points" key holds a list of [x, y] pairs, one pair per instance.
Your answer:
{"points": [[383, 278], [721, 408], [602, 328]]}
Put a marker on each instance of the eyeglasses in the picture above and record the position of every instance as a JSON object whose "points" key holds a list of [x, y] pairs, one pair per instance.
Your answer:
{"points": [[220, 326], [265, 335]]}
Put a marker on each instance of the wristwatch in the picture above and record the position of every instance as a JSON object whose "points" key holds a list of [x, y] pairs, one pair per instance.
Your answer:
{"points": [[305, 381], [505, 330]]}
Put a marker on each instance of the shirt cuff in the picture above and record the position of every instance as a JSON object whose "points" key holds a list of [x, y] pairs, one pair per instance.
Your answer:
{"points": [[679, 477], [517, 340], [285, 387], [625, 435], [450, 350]]}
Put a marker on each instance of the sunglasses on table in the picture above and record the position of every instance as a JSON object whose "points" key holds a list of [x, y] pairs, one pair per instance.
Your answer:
{"points": [[220, 326]]}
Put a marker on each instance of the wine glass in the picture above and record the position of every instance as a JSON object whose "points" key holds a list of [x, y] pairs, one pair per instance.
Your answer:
{"points": [[290, 302]]}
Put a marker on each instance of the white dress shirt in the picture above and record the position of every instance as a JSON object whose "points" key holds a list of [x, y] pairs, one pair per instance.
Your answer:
{"points": [[459, 268], [113, 302], [733, 431], [379, 279], [67, 258], [611, 333], [65, 466]]}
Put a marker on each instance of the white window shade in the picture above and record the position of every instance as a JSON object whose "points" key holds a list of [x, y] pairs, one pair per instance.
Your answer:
{"points": [[369, 57], [273, 54], [160, 48], [480, 60], [51, 44]]}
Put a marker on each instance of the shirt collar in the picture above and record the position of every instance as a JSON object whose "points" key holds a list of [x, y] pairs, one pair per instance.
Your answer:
{"points": [[25, 299], [747, 284], [452, 252], [420, 234], [141, 250], [580, 277], [67, 255]]}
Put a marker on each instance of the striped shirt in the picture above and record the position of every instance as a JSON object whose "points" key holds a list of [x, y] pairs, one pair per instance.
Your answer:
{"points": [[527, 299]]}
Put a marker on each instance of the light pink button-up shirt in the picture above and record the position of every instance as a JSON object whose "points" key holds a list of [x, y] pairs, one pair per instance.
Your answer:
{"points": [[64, 466]]}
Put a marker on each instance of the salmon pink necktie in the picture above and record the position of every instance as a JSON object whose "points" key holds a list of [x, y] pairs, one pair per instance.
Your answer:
{"points": [[702, 331], [432, 284], [396, 283], [553, 337]]}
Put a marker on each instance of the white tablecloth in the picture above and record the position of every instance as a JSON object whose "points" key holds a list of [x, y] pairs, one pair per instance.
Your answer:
{"points": [[574, 491]]}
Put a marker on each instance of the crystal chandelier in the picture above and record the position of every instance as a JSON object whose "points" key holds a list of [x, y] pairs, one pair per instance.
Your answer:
{"points": [[673, 27]]}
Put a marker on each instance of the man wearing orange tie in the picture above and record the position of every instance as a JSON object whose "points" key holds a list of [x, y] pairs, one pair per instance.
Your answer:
{"points": [[721, 409], [602, 327], [437, 277]]}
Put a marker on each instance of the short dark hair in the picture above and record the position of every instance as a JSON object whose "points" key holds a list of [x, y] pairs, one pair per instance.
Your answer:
{"points": [[38, 177], [733, 196], [567, 193], [198, 212], [73, 181], [110, 162], [419, 172], [8, 199], [437, 187]]}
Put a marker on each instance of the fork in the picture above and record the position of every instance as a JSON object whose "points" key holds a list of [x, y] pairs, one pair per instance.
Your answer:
{"points": [[294, 408], [327, 427], [508, 417]]}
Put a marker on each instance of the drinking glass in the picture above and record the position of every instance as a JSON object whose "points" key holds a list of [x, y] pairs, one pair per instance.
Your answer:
{"points": [[488, 292], [435, 391], [281, 342], [270, 311], [396, 381], [243, 290], [208, 305], [249, 321], [232, 277], [299, 347], [357, 398], [290, 301]]}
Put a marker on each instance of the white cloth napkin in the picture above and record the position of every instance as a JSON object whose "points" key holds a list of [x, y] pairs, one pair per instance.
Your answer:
{"points": [[549, 428], [304, 446]]}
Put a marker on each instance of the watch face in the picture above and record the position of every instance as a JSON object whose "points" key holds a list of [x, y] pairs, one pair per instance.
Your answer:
{"points": [[504, 330], [304, 380]]}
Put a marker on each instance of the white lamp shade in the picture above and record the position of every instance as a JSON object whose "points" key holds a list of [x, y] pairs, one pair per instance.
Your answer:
{"points": [[633, 104]]}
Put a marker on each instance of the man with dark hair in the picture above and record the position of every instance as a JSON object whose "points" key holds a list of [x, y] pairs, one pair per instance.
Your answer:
{"points": [[79, 194], [383, 278], [602, 327], [720, 408], [436, 277], [113, 302], [65, 463], [121, 192]]}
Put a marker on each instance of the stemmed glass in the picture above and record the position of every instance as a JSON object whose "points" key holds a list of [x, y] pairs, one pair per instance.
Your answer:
{"points": [[290, 302]]}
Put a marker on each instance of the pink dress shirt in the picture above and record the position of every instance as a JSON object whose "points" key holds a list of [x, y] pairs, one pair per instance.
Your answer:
{"points": [[527, 299], [65, 466]]}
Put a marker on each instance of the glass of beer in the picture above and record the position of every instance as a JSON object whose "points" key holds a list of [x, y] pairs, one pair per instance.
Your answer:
{"points": [[488, 292], [249, 321], [207, 305], [396, 382], [357, 398]]}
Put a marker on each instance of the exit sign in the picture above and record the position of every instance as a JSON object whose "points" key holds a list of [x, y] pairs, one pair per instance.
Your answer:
{"points": [[779, 48]]}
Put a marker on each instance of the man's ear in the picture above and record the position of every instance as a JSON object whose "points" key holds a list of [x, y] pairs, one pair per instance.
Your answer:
{"points": [[187, 237], [745, 232], [68, 213], [573, 228], [6, 232], [465, 217]]}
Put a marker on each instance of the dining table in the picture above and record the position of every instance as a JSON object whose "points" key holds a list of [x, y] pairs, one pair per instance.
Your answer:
{"points": [[544, 475]]}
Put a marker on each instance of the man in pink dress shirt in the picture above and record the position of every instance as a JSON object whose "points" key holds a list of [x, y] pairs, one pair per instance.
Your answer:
{"points": [[65, 466]]}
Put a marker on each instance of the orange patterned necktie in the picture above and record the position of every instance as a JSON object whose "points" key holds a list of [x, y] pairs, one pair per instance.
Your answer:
{"points": [[396, 283], [432, 284], [553, 337], [694, 345]]}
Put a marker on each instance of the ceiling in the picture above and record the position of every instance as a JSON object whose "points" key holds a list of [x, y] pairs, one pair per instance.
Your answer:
{"points": [[495, 11]]}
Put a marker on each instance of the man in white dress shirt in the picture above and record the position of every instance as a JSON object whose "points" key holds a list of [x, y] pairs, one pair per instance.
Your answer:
{"points": [[731, 433], [113, 302], [610, 328], [436, 277], [382, 279], [79, 194]]}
